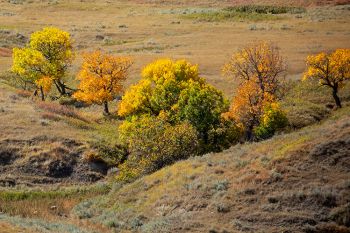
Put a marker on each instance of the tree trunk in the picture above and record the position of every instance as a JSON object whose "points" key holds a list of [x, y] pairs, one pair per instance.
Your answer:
{"points": [[249, 133], [42, 94], [61, 87], [105, 108], [336, 97]]}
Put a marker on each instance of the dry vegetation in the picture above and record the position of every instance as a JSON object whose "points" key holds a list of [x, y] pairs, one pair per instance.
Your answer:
{"points": [[297, 182]]}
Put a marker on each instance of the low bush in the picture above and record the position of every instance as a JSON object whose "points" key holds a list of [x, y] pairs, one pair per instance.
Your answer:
{"points": [[224, 135], [154, 143], [16, 81], [273, 119], [112, 155]]}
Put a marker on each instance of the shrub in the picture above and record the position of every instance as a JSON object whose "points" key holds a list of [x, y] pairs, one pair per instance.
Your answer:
{"points": [[273, 119], [221, 137], [154, 143], [112, 155]]}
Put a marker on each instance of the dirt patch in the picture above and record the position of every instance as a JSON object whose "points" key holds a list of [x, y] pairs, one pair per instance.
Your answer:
{"points": [[46, 160]]}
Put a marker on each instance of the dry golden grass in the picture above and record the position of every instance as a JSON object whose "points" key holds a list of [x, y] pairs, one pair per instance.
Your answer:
{"points": [[8, 228]]}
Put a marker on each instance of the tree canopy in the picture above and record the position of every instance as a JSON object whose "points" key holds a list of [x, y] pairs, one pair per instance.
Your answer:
{"points": [[331, 69], [101, 78]]}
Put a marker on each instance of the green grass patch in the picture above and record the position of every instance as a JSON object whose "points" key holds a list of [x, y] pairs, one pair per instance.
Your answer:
{"points": [[247, 12]]}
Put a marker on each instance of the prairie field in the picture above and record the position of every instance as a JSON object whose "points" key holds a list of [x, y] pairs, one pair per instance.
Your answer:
{"points": [[60, 159], [147, 30]]}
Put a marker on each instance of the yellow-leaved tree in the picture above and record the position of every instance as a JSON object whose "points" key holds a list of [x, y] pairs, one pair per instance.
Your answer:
{"points": [[101, 78], [47, 55], [331, 69]]}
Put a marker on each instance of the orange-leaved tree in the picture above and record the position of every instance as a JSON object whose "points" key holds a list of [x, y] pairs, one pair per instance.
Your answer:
{"points": [[261, 63], [247, 106], [331, 69], [101, 78], [259, 69]]}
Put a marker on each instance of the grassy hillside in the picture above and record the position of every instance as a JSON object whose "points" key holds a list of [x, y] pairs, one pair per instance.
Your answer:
{"points": [[297, 182]]}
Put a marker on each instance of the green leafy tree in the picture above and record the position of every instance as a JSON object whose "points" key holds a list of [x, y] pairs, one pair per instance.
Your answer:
{"points": [[175, 90]]}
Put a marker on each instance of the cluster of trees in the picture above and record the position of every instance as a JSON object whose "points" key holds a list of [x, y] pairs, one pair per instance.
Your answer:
{"points": [[172, 112]]}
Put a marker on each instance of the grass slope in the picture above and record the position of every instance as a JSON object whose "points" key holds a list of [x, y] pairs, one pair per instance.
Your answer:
{"points": [[297, 182]]}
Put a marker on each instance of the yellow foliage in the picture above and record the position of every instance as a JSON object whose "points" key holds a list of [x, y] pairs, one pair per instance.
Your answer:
{"points": [[332, 70], [166, 69], [136, 98], [48, 55], [101, 77], [27, 63], [56, 46], [159, 87]]}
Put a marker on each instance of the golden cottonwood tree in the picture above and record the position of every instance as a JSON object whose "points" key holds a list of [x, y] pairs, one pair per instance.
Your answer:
{"points": [[332, 70], [101, 78], [48, 54], [28, 63], [56, 47]]}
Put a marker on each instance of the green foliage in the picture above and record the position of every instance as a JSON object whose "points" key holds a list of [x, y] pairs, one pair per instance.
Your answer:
{"points": [[273, 119], [245, 12], [154, 143], [260, 9], [222, 136], [201, 105]]}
